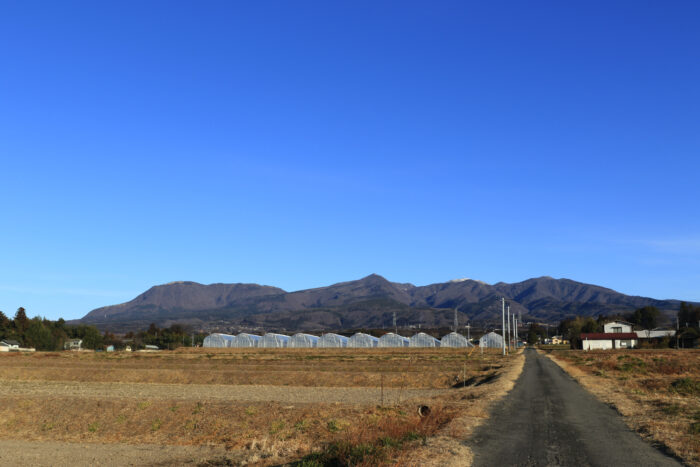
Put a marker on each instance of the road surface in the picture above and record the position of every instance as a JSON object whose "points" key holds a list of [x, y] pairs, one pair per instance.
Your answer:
{"points": [[548, 419]]}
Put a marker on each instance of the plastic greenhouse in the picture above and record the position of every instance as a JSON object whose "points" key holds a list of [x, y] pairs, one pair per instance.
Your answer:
{"points": [[246, 340], [491, 340], [218, 340], [361, 340], [332, 340], [454, 339], [273, 341], [423, 340], [392, 340], [303, 341]]}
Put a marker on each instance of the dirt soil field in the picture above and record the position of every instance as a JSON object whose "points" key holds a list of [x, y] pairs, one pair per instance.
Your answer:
{"points": [[418, 368], [248, 393], [656, 391], [57, 454], [237, 406]]}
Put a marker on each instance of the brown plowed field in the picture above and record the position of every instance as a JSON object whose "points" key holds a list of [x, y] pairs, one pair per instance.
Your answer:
{"points": [[213, 392], [230, 406]]}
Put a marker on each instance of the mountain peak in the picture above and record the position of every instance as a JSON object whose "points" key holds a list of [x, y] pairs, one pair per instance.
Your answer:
{"points": [[466, 279], [373, 276]]}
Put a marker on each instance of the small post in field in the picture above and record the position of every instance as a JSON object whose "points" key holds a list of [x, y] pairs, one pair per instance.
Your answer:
{"points": [[382, 391]]}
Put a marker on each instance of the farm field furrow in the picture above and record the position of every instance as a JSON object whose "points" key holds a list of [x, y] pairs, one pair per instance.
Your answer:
{"points": [[247, 393]]}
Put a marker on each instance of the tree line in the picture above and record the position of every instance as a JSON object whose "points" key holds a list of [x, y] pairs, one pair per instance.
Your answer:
{"points": [[43, 334], [46, 335]]}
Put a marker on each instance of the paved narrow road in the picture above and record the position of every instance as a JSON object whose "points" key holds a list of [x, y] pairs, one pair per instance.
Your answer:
{"points": [[548, 419]]}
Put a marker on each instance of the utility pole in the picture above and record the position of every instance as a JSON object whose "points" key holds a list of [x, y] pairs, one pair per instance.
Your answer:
{"points": [[456, 321], [503, 323], [508, 316], [468, 326], [396, 329]]}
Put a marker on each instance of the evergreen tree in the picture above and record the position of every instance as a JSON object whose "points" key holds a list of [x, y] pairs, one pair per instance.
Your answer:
{"points": [[5, 326], [92, 339], [647, 317], [4, 321], [571, 329], [21, 321], [689, 315], [39, 336]]}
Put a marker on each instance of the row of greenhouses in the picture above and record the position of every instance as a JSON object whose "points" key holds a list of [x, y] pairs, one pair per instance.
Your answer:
{"points": [[330, 340]]}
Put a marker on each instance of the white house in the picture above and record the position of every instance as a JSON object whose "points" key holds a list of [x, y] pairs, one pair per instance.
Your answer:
{"points": [[73, 344], [608, 340], [7, 345]]}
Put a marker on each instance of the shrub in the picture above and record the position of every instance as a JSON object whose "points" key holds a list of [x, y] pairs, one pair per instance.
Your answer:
{"points": [[155, 426], [333, 426], [686, 387], [694, 428]]}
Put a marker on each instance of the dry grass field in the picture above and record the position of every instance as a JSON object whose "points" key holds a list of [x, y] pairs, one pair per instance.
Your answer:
{"points": [[255, 406], [656, 391]]}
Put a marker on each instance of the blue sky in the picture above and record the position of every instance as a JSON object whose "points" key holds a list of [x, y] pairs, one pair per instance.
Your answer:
{"points": [[299, 144]]}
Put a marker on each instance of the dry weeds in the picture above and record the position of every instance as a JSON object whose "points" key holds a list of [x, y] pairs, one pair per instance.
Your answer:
{"points": [[66, 397], [656, 391]]}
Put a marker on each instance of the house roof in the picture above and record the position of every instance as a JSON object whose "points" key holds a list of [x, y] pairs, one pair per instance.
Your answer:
{"points": [[605, 336], [10, 342]]}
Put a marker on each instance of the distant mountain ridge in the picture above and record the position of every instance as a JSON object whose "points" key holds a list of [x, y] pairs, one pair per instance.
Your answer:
{"points": [[367, 302]]}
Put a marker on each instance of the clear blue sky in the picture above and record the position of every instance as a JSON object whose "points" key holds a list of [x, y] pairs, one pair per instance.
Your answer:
{"points": [[299, 144]]}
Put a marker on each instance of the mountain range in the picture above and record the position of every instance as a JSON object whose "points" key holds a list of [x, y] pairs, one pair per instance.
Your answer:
{"points": [[369, 302]]}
